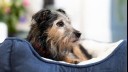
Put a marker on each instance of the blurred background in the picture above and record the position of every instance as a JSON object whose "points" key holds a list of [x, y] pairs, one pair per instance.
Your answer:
{"points": [[101, 20]]}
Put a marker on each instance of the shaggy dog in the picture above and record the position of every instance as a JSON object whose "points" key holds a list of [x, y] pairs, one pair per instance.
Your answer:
{"points": [[53, 37]]}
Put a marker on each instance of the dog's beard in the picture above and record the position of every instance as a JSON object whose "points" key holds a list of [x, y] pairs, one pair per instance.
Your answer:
{"points": [[60, 46]]}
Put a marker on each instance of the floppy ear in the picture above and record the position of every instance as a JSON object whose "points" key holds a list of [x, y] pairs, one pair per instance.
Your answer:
{"points": [[41, 16], [61, 10]]}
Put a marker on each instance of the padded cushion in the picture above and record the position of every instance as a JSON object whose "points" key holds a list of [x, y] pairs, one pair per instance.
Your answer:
{"points": [[17, 55]]}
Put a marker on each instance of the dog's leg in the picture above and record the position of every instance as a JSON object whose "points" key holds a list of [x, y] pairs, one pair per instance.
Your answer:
{"points": [[80, 53], [71, 60]]}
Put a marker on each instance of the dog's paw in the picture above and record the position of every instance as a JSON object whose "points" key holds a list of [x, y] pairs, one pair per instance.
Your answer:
{"points": [[71, 60], [76, 61]]}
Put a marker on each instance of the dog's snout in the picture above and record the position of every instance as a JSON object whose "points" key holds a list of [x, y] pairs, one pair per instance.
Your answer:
{"points": [[77, 34]]}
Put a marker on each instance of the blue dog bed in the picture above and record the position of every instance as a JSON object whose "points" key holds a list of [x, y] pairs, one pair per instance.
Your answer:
{"points": [[17, 55]]}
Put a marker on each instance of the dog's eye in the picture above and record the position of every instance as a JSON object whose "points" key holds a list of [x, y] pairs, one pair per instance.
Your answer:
{"points": [[60, 24]]}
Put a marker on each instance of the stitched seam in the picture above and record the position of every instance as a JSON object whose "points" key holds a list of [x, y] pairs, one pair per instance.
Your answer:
{"points": [[11, 55]]}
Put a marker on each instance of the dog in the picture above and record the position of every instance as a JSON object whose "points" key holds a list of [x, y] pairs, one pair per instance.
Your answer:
{"points": [[53, 37]]}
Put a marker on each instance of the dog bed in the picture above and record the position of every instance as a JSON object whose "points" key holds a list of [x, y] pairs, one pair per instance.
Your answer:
{"points": [[17, 55]]}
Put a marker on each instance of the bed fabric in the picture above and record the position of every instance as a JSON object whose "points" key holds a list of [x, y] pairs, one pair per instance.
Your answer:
{"points": [[17, 55]]}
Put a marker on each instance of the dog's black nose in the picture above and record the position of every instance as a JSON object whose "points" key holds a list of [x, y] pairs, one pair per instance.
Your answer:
{"points": [[77, 34]]}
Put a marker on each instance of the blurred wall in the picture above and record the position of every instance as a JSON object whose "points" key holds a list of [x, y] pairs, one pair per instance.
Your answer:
{"points": [[36, 5], [96, 17], [119, 19]]}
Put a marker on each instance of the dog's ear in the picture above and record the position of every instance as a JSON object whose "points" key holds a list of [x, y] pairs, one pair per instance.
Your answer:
{"points": [[41, 16], [61, 10]]}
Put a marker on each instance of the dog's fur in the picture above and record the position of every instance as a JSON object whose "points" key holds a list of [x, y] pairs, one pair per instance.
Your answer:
{"points": [[53, 37]]}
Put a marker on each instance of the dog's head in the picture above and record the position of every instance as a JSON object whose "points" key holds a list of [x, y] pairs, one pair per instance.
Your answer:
{"points": [[53, 28]]}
